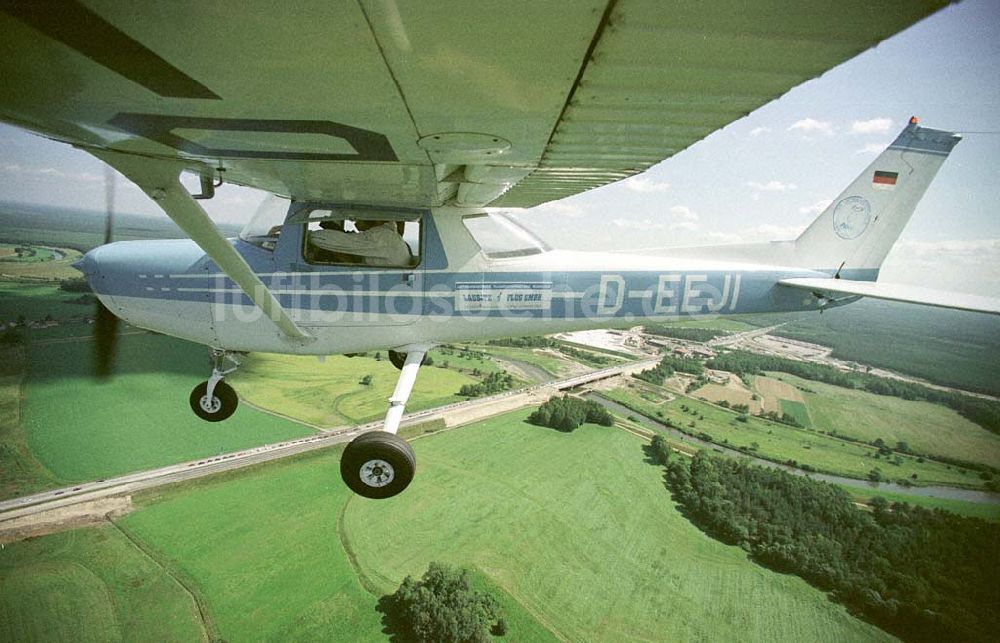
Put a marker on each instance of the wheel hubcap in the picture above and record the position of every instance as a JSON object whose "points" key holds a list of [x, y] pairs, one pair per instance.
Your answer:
{"points": [[377, 473], [210, 405]]}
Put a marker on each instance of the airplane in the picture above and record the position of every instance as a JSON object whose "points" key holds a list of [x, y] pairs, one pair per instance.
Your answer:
{"points": [[416, 120]]}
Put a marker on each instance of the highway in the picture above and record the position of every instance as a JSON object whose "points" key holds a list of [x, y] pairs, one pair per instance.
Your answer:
{"points": [[133, 482]]}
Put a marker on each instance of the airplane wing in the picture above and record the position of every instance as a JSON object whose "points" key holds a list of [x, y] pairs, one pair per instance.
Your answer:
{"points": [[895, 292], [506, 103]]}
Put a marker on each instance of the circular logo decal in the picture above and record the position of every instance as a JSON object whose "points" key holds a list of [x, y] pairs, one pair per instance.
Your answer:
{"points": [[851, 217]]}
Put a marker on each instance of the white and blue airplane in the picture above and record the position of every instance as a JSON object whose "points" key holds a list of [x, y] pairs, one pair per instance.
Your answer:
{"points": [[421, 116]]}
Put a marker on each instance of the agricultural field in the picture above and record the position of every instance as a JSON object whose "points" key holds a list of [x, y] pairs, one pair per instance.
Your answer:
{"points": [[330, 393], [732, 392], [596, 553], [91, 585], [925, 427], [82, 429], [781, 443], [41, 262]]}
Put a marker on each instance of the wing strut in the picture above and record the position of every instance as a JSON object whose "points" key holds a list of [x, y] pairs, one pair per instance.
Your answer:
{"points": [[160, 179]]}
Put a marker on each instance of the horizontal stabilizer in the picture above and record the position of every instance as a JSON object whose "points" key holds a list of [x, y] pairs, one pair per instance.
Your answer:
{"points": [[896, 292]]}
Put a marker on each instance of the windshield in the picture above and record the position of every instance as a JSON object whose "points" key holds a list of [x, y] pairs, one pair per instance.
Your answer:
{"points": [[500, 236], [263, 229]]}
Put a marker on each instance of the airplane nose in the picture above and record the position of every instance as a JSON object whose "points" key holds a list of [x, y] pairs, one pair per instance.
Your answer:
{"points": [[89, 265]]}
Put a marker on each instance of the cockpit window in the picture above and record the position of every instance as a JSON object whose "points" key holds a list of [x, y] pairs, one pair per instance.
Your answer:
{"points": [[499, 236], [264, 227], [367, 238]]}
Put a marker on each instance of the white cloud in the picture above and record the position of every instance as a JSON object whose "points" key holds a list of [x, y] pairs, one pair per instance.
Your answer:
{"points": [[683, 213], [687, 226], [960, 265], [811, 126], [816, 208], [646, 186], [872, 126], [633, 224], [771, 232], [873, 148], [757, 131], [50, 173], [772, 186], [560, 208]]}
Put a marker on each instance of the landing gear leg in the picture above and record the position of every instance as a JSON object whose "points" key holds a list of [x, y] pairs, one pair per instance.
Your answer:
{"points": [[214, 400], [380, 464]]}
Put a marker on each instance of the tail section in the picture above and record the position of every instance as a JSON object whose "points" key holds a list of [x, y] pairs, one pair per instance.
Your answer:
{"points": [[855, 233]]}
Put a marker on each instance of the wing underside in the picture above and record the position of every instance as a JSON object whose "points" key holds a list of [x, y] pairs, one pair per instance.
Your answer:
{"points": [[832, 288], [417, 103]]}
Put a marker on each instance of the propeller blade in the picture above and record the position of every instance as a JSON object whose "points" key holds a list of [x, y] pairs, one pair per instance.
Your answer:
{"points": [[105, 321], [105, 341]]}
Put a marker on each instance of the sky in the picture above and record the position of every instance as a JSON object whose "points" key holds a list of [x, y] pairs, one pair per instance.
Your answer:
{"points": [[761, 178]]}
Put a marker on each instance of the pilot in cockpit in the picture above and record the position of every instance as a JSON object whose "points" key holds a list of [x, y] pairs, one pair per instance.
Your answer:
{"points": [[376, 243]]}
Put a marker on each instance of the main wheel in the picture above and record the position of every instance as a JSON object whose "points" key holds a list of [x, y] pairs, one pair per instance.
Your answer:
{"points": [[223, 403], [378, 465]]}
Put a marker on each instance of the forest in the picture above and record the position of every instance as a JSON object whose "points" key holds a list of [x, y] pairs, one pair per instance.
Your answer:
{"points": [[923, 575], [985, 413]]}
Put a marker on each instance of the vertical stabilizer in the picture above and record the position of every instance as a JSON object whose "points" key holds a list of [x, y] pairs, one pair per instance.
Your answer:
{"points": [[855, 233]]}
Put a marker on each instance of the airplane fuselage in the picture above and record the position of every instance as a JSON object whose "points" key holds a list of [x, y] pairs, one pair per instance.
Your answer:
{"points": [[456, 293]]}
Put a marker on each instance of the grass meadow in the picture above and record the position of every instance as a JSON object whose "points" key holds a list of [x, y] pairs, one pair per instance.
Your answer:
{"points": [[781, 442], [577, 530], [83, 429], [91, 585], [580, 529], [925, 427], [330, 393]]}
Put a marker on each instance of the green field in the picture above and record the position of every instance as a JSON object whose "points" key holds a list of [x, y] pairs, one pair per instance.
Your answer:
{"points": [[91, 585], [580, 529], [37, 301], [555, 366], [82, 429], [781, 443], [927, 428], [986, 511], [595, 552], [262, 548], [330, 393], [797, 410]]}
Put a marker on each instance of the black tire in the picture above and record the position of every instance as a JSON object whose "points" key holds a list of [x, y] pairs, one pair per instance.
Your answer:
{"points": [[377, 465], [398, 359], [224, 402]]}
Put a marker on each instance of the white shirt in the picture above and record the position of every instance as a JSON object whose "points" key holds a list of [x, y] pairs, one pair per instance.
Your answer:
{"points": [[378, 246]]}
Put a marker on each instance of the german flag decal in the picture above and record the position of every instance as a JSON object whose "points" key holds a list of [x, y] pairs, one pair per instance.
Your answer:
{"points": [[884, 180]]}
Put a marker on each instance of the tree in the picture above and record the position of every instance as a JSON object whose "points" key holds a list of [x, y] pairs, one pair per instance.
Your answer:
{"points": [[366, 380], [660, 449], [378, 356], [442, 606]]}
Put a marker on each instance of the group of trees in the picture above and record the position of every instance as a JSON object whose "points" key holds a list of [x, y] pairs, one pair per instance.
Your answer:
{"points": [[443, 607], [523, 342], [567, 413], [493, 383], [921, 574], [688, 334], [667, 366], [983, 412]]}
